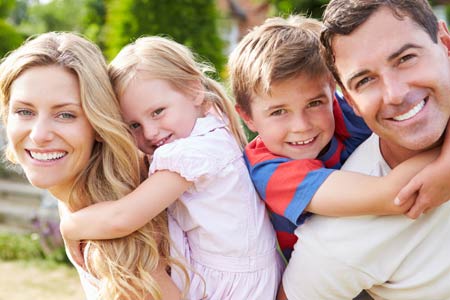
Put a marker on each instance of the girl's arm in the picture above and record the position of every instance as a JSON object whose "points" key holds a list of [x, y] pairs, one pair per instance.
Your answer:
{"points": [[350, 194], [431, 185], [114, 219]]}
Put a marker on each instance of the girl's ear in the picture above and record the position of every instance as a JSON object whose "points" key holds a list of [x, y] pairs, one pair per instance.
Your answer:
{"points": [[199, 93]]}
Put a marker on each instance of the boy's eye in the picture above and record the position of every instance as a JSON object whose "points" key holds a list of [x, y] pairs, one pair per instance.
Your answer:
{"points": [[314, 103], [157, 112], [134, 126], [278, 112]]}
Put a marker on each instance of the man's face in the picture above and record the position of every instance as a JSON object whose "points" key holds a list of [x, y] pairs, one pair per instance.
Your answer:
{"points": [[296, 120], [398, 80]]}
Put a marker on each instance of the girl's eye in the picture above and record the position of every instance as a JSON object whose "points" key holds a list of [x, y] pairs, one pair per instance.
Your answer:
{"points": [[66, 115], [157, 112], [134, 126], [278, 112]]}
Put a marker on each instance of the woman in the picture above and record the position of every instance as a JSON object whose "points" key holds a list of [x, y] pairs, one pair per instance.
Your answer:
{"points": [[65, 130]]}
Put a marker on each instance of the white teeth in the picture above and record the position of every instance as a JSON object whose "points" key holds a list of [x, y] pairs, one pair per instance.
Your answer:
{"points": [[303, 142], [414, 111], [162, 142], [47, 156]]}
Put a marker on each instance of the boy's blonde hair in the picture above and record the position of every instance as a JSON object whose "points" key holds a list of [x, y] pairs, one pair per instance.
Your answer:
{"points": [[124, 265], [162, 58], [278, 50]]}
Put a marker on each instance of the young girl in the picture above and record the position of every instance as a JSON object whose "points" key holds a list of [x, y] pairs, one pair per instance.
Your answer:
{"points": [[186, 122]]}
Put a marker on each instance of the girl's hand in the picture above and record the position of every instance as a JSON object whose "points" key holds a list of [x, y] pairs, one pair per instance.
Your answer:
{"points": [[76, 252]]}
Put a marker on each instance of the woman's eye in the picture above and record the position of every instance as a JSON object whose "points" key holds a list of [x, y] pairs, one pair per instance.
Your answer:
{"points": [[24, 112], [157, 112], [66, 115]]}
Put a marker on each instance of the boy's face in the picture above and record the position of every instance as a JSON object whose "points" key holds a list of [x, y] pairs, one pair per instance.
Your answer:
{"points": [[296, 120]]}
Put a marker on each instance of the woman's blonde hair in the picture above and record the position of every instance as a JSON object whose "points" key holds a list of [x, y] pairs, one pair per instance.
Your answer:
{"points": [[162, 58], [125, 265]]}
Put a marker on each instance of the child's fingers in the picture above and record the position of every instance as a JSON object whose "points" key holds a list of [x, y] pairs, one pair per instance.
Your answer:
{"points": [[408, 191], [422, 203]]}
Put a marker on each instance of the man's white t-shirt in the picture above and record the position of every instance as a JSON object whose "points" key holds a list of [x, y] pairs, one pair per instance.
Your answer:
{"points": [[392, 257]]}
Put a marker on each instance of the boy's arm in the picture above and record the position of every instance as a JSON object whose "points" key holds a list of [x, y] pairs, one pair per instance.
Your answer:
{"points": [[350, 194], [431, 185], [114, 219]]}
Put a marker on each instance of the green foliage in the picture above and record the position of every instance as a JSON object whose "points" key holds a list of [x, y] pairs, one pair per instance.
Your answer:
{"points": [[9, 38], [190, 22], [5, 7], [27, 247], [311, 8], [24, 247]]}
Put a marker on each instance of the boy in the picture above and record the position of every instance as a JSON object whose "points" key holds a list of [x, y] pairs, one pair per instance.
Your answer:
{"points": [[285, 92]]}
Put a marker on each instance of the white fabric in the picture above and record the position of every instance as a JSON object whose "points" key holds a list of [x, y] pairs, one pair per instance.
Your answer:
{"points": [[393, 257], [220, 226], [88, 282]]}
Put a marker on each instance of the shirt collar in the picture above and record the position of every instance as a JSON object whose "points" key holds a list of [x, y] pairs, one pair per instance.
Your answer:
{"points": [[207, 124]]}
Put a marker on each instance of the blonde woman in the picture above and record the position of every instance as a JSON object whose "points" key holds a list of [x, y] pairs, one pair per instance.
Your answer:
{"points": [[65, 130]]}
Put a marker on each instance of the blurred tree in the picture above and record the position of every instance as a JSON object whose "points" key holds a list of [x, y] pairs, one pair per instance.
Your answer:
{"points": [[190, 22], [311, 8], [10, 38]]}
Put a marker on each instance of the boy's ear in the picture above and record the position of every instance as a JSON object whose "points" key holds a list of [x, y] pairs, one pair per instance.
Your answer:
{"points": [[350, 101], [245, 117]]}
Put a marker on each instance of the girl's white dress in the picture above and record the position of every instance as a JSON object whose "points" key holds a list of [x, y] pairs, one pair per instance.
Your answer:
{"points": [[219, 226]]}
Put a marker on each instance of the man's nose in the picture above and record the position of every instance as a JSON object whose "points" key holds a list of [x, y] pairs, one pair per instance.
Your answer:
{"points": [[394, 89]]}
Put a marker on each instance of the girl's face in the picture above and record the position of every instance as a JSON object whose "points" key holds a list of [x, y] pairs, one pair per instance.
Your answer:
{"points": [[157, 113], [48, 132]]}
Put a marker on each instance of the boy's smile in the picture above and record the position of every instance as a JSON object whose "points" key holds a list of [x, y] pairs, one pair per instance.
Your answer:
{"points": [[296, 120]]}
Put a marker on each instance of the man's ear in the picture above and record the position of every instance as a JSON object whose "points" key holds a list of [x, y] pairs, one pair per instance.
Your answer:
{"points": [[444, 35], [245, 117], [350, 101]]}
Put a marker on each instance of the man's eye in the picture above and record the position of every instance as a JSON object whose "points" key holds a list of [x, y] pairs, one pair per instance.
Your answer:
{"points": [[406, 58], [363, 82]]}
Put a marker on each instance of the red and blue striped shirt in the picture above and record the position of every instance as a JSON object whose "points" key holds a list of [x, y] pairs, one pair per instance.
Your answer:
{"points": [[287, 186]]}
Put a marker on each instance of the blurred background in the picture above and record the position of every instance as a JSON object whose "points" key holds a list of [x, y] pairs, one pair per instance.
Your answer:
{"points": [[33, 264]]}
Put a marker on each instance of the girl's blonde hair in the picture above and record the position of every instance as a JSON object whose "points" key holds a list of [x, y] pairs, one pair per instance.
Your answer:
{"points": [[168, 60], [125, 265]]}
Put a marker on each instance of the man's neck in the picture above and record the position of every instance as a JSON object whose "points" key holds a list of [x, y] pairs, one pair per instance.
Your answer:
{"points": [[394, 154]]}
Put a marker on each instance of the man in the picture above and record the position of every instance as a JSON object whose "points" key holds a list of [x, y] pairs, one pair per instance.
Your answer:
{"points": [[391, 59]]}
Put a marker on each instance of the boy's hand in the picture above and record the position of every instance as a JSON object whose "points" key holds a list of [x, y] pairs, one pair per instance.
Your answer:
{"points": [[431, 187]]}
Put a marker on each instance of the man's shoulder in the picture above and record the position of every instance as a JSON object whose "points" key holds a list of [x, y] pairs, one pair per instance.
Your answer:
{"points": [[367, 159]]}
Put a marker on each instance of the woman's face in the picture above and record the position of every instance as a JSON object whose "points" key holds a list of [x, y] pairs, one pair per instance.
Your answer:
{"points": [[47, 129]]}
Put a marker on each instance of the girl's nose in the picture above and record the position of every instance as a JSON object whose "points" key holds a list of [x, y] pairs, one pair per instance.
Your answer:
{"points": [[41, 132]]}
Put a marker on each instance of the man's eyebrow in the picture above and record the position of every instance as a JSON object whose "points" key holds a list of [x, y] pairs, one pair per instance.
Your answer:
{"points": [[401, 50], [390, 58], [352, 77]]}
